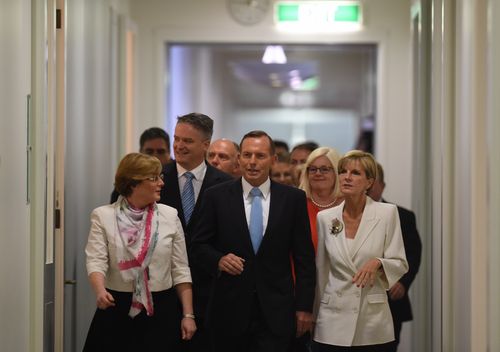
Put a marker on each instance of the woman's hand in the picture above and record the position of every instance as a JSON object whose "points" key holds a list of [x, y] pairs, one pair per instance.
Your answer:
{"points": [[105, 300], [188, 328], [367, 274]]}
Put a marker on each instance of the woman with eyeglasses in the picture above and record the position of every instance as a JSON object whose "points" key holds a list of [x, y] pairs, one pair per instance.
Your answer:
{"points": [[137, 265], [320, 182], [360, 255]]}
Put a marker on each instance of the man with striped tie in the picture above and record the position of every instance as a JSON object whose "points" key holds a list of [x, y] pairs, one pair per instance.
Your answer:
{"points": [[248, 230], [186, 180]]}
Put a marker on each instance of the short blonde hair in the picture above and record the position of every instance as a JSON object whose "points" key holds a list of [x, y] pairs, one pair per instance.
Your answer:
{"points": [[366, 160], [333, 156], [133, 169]]}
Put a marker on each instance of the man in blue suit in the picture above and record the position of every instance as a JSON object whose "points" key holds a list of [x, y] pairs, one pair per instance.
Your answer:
{"points": [[249, 232]]}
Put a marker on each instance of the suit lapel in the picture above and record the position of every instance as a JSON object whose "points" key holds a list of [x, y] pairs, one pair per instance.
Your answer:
{"points": [[367, 224], [339, 240], [237, 207], [276, 203]]}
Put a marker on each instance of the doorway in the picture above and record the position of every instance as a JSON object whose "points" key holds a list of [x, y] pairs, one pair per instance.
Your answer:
{"points": [[324, 93]]}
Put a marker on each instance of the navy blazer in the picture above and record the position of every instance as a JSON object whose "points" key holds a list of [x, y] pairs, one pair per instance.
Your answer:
{"points": [[171, 195], [223, 229], [401, 308]]}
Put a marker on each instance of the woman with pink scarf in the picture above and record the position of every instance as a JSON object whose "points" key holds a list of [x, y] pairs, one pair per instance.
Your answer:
{"points": [[138, 267]]}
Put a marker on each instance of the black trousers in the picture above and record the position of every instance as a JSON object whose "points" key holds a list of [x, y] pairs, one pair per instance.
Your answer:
{"points": [[321, 347], [257, 338], [397, 333], [113, 330]]}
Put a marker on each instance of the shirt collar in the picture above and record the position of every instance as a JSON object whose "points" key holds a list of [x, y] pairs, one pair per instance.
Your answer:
{"points": [[198, 171], [265, 188]]}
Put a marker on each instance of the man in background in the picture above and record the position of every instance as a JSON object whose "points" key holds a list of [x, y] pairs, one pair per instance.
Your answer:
{"points": [[223, 154], [153, 141], [282, 171], [301, 151], [298, 158], [156, 142], [398, 294], [281, 148]]}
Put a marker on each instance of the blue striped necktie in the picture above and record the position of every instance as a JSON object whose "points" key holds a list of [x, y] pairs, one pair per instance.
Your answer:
{"points": [[256, 226], [187, 197]]}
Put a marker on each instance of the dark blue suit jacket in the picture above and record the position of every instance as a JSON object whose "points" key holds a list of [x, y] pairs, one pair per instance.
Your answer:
{"points": [[401, 308], [223, 229], [171, 195]]}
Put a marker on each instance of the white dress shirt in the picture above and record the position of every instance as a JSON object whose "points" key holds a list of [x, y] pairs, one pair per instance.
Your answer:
{"points": [[199, 174], [265, 188]]}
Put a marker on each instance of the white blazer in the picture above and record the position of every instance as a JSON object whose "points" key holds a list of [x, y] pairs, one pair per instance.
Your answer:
{"points": [[347, 315], [169, 262]]}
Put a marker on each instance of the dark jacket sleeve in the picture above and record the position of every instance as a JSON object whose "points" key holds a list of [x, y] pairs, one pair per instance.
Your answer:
{"points": [[412, 243], [303, 256], [203, 253]]}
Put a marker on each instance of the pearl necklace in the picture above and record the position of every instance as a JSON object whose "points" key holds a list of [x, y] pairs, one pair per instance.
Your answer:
{"points": [[329, 205]]}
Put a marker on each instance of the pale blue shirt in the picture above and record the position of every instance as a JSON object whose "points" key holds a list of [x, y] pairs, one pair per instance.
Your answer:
{"points": [[199, 174], [265, 188]]}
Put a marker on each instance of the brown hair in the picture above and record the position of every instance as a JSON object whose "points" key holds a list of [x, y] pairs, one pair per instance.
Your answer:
{"points": [[133, 169], [259, 134]]}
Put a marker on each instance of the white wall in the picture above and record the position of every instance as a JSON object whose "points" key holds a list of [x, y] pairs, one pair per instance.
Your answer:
{"points": [[93, 75], [15, 36], [386, 23]]}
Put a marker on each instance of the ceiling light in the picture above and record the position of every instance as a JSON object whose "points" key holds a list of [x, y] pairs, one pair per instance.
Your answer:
{"points": [[274, 54]]}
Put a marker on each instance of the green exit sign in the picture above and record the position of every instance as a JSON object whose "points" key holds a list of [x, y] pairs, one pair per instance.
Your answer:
{"points": [[326, 14]]}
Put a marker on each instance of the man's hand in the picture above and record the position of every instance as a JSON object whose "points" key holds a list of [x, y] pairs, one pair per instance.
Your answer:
{"points": [[304, 322], [397, 291], [231, 264]]}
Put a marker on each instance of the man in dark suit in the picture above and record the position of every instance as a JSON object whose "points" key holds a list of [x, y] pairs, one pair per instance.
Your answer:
{"points": [[191, 140], [248, 230], [398, 294]]}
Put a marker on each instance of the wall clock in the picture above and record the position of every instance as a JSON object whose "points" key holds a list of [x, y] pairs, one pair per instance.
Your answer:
{"points": [[248, 12]]}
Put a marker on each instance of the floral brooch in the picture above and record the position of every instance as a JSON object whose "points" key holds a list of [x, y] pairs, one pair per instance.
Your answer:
{"points": [[337, 227]]}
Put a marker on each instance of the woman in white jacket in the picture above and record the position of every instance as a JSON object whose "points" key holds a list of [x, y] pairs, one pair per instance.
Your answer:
{"points": [[360, 256], [138, 266]]}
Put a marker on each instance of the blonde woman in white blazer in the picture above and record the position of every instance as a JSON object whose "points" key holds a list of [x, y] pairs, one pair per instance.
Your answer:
{"points": [[360, 256]]}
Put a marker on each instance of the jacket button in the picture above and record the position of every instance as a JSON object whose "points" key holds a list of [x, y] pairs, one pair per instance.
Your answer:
{"points": [[339, 294]]}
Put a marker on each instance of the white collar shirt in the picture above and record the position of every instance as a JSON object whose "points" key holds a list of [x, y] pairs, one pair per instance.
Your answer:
{"points": [[199, 174], [265, 188]]}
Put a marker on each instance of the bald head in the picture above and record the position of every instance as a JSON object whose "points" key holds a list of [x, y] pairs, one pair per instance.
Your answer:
{"points": [[223, 154]]}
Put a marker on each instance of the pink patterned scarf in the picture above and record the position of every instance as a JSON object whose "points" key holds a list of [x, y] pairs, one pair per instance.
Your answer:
{"points": [[135, 245]]}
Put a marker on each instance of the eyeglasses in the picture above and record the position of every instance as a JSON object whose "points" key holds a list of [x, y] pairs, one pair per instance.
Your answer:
{"points": [[155, 178], [322, 170], [152, 151]]}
